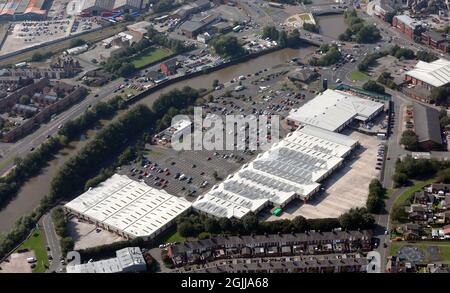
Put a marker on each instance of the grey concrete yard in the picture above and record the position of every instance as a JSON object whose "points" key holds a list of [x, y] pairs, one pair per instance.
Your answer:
{"points": [[85, 235]]}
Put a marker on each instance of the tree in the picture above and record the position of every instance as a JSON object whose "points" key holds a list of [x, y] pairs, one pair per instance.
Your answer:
{"points": [[227, 46], [24, 100], [283, 39], [356, 218], [398, 213], [311, 27], [126, 69], [67, 244], [186, 229], [212, 226], [400, 179], [444, 176], [409, 140], [440, 96], [77, 43], [250, 223], [225, 224], [426, 56], [270, 32], [215, 83], [373, 86], [300, 224], [294, 38]]}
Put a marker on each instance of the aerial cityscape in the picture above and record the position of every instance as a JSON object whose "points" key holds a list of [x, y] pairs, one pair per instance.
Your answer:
{"points": [[224, 136]]}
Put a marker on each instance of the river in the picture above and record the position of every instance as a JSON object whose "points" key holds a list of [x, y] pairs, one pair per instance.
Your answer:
{"points": [[332, 25], [37, 187]]}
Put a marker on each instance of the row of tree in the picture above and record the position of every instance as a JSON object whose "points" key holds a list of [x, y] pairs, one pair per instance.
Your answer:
{"points": [[60, 222], [373, 86], [375, 201], [196, 225]]}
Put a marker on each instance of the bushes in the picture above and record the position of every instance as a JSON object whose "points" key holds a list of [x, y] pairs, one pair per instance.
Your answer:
{"points": [[375, 200], [409, 140], [373, 86]]}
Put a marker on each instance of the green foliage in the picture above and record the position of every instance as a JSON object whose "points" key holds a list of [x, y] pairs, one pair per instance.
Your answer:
{"points": [[356, 218], [370, 60], [440, 96], [77, 43], [399, 53], [398, 213], [409, 140], [373, 86], [375, 201], [443, 176], [67, 244], [60, 222], [270, 32], [294, 39], [37, 57], [311, 27], [426, 56], [358, 30], [228, 46], [410, 168], [386, 79], [78, 169], [331, 57]]}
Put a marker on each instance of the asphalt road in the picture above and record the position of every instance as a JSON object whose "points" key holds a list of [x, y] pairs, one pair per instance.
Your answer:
{"points": [[52, 241]]}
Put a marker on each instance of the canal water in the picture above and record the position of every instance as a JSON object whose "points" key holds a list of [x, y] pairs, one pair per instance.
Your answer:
{"points": [[36, 188], [332, 25]]}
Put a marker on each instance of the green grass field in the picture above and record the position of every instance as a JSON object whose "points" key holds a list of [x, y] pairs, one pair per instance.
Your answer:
{"points": [[358, 75], [149, 56], [173, 237], [36, 243]]}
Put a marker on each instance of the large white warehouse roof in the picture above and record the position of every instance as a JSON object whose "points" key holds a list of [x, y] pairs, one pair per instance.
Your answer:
{"points": [[333, 109], [291, 168], [129, 207], [436, 73]]}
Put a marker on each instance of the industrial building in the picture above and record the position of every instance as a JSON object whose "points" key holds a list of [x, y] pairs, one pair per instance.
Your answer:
{"points": [[97, 7], [427, 127], [22, 9], [406, 25], [128, 208], [430, 75], [333, 110], [291, 169], [127, 260]]}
